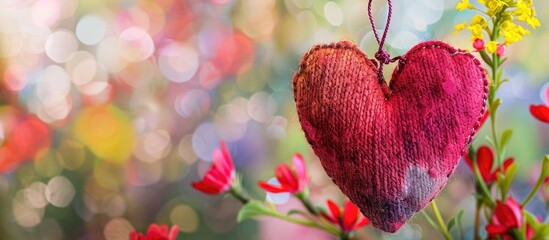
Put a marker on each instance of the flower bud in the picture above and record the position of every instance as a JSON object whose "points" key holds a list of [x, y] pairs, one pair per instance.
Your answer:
{"points": [[478, 44]]}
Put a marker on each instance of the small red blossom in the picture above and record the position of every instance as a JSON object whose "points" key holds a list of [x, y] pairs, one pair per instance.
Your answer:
{"points": [[506, 217], [501, 50], [540, 112], [156, 232], [220, 177], [27, 139], [291, 181], [348, 219], [485, 162], [478, 44]]}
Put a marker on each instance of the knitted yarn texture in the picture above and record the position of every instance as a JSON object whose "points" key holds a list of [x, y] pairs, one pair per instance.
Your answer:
{"points": [[390, 148]]}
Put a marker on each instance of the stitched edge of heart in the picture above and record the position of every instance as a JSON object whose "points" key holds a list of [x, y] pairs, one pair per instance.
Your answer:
{"points": [[422, 46]]}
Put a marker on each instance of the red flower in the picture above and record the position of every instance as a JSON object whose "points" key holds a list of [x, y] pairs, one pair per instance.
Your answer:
{"points": [[484, 117], [156, 232], [540, 112], [348, 219], [500, 51], [220, 177], [485, 162], [507, 216], [27, 139], [478, 44], [290, 181]]}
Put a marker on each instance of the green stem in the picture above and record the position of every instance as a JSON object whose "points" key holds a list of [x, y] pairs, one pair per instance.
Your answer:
{"points": [[440, 221], [482, 185], [430, 221], [303, 222], [517, 235], [477, 219], [302, 196], [239, 195], [533, 192]]}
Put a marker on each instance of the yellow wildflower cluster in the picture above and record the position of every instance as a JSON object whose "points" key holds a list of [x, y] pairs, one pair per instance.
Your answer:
{"points": [[503, 16]]}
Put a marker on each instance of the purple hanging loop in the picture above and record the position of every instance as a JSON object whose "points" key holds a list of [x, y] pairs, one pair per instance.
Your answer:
{"points": [[382, 55]]}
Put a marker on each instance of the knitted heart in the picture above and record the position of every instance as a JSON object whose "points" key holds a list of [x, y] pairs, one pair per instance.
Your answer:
{"points": [[390, 153]]}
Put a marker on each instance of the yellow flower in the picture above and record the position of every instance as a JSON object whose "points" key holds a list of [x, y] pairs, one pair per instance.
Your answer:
{"points": [[491, 47], [478, 19], [494, 6], [478, 23], [525, 13], [459, 27], [464, 4], [512, 32]]}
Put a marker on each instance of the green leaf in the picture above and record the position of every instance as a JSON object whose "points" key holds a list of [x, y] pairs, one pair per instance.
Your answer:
{"points": [[505, 138], [531, 219], [459, 225], [451, 224], [485, 57], [498, 75], [542, 232], [489, 140], [495, 105], [508, 180], [298, 212], [545, 166], [252, 209]]}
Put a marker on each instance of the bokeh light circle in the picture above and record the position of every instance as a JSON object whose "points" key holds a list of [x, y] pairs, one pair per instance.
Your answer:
{"points": [[136, 44], [178, 62], [60, 46], [91, 29], [60, 191]]}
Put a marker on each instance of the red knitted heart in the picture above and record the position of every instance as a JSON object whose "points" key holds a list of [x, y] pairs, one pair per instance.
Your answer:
{"points": [[392, 153]]}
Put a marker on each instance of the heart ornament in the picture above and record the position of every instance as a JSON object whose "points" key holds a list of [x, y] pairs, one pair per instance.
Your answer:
{"points": [[390, 148]]}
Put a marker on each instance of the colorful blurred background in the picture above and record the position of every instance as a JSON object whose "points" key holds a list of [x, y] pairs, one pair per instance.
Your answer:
{"points": [[109, 109]]}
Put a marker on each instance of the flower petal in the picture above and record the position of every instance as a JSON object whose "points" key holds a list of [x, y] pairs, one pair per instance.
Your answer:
{"points": [[361, 223], [540, 112], [508, 162], [508, 214], [329, 217], [206, 188], [350, 216], [286, 178], [173, 232], [271, 188], [300, 170], [484, 117], [494, 230], [334, 209], [228, 161], [485, 161]]}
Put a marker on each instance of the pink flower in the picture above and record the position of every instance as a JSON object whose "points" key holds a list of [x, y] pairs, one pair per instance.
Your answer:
{"points": [[156, 232], [500, 51], [348, 219], [485, 162], [478, 44], [506, 217], [291, 181], [220, 177]]}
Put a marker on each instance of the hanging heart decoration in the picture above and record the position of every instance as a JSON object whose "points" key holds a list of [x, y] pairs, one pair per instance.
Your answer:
{"points": [[389, 148]]}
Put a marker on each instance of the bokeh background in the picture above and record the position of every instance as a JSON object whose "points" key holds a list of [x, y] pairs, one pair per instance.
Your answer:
{"points": [[119, 104]]}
